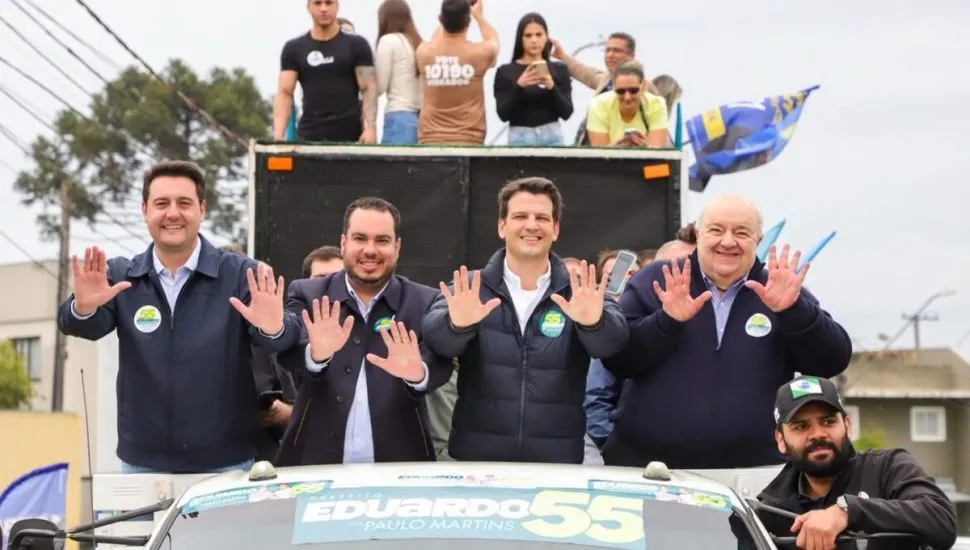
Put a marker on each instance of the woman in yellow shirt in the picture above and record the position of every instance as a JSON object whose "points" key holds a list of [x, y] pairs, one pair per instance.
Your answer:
{"points": [[628, 116]]}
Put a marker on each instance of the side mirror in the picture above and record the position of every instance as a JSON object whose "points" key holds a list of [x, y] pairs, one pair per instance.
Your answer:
{"points": [[28, 534]]}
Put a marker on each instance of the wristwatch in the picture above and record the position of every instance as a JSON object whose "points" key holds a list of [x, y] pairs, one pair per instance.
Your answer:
{"points": [[841, 503]]}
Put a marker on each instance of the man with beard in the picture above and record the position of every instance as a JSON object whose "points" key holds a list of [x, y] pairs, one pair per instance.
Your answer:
{"points": [[834, 489], [523, 331], [365, 370]]}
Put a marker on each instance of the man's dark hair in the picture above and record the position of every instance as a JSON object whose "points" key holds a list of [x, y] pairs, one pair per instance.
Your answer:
{"points": [[455, 15], [687, 234], [631, 43], [535, 185], [377, 204], [323, 254], [174, 168]]}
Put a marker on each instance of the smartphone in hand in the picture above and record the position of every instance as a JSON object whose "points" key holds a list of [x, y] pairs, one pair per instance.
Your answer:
{"points": [[267, 398], [625, 261]]}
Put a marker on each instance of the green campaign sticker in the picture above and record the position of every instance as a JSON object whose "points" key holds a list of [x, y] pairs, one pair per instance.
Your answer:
{"points": [[383, 323], [147, 319], [552, 323]]}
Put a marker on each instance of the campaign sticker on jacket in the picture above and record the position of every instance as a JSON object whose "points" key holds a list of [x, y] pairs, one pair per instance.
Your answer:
{"points": [[552, 323], [148, 319], [383, 323], [758, 325]]}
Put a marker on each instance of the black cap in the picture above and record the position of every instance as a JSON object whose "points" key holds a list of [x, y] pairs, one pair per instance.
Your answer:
{"points": [[794, 395]]}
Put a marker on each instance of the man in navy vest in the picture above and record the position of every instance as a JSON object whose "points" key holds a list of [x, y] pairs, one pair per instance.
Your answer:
{"points": [[712, 337]]}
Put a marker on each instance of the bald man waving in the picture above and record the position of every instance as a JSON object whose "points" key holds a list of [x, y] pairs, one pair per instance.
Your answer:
{"points": [[712, 337]]}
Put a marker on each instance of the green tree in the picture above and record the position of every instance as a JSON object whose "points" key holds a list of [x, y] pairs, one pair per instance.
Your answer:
{"points": [[135, 121], [872, 439], [15, 387]]}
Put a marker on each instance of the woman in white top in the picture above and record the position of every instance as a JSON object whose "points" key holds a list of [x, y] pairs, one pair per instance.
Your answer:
{"points": [[397, 72]]}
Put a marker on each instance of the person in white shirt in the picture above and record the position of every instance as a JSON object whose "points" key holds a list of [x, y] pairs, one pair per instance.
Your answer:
{"points": [[397, 72], [523, 330]]}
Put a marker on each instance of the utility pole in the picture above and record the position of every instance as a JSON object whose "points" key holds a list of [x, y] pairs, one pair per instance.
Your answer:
{"points": [[915, 320], [63, 274]]}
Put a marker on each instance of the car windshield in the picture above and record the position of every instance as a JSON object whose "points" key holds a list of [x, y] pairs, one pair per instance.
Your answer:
{"points": [[316, 515]]}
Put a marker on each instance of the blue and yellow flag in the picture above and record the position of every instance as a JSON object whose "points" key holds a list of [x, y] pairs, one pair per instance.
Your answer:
{"points": [[740, 136]]}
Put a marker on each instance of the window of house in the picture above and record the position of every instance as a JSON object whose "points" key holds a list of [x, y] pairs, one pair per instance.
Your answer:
{"points": [[29, 350], [852, 411], [927, 424]]}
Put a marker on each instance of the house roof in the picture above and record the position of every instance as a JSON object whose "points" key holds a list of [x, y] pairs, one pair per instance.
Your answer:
{"points": [[928, 373]]}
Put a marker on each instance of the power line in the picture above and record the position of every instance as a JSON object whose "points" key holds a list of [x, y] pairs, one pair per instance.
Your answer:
{"points": [[229, 134], [5, 132], [23, 251], [7, 92], [70, 33], [136, 101], [44, 56], [12, 137]]}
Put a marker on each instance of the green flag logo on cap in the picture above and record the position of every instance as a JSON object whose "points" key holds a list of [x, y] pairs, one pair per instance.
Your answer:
{"points": [[805, 386]]}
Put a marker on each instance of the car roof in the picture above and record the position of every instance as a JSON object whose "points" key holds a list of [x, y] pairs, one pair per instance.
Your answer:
{"points": [[444, 474]]}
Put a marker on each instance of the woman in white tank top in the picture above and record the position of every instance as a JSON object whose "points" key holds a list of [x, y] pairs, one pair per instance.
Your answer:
{"points": [[397, 73]]}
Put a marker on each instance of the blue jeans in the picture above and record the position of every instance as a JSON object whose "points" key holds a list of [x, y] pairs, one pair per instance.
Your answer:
{"points": [[400, 128], [132, 469], [547, 134]]}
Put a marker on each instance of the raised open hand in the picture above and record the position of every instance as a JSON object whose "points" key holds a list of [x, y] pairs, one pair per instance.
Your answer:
{"points": [[323, 329], [675, 294], [585, 305], [265, 309], [465, 307], [91, 288], [784, 283], [403, 354]]}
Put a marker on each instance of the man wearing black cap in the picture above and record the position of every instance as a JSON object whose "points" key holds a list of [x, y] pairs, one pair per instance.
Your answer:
{"points": [[833, 488]]}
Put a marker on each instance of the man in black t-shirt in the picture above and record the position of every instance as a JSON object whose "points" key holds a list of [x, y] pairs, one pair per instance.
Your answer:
{"points": [[335, 69]]}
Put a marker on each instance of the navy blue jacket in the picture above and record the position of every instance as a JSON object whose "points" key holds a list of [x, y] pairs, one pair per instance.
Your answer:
{"points": [[186, 395], [520, 397], [399, 415], [696, 404]]}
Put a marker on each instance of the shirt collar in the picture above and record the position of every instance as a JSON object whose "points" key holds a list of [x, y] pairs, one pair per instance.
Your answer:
{"points": [[712, 286], [511, 278], [350, 290], [191, 264]]}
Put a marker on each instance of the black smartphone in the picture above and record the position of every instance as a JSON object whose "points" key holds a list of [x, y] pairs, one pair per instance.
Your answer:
{"points": [[267, 397], [624, 263]]}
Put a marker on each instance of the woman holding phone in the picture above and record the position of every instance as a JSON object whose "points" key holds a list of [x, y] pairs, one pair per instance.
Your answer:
{"points": [[532, 93], [629, 116]]}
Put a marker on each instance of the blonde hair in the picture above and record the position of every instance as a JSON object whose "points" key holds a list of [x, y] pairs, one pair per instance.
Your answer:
{"points": [[669, 89]]}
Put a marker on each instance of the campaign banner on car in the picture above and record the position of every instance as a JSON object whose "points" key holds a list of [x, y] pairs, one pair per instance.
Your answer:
{"points": [[612, 517], [38, 494]]}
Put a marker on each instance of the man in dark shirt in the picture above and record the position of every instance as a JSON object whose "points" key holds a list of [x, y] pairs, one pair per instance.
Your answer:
{"points": [[335, 69], [834, 489]]}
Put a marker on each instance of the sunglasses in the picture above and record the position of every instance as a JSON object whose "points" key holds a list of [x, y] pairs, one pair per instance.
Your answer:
{"points": [[627, 91]]}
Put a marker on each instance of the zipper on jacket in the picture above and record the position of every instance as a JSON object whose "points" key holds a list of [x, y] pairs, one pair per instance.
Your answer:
{"points": [[424, 434], [170, 402], [299, 428]]}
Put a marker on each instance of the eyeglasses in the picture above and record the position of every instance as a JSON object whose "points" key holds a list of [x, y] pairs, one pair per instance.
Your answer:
{"points": [[627, 91]]}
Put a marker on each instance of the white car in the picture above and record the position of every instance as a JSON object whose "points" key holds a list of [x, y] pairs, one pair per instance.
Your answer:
{"points": [[447, 505]]}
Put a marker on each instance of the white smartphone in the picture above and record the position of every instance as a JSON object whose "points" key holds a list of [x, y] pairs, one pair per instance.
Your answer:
{"points": [[624, 263]]}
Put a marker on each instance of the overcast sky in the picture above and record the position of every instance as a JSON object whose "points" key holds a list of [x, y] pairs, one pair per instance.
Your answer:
{"points": [[876, 155]]}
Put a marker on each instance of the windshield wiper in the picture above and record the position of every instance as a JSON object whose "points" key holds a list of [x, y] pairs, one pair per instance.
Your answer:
{"points": [[80, 533], [759, 506]]}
